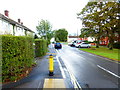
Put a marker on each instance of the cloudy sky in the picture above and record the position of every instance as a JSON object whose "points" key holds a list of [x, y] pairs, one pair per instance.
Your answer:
{"points": [[60, 13]]}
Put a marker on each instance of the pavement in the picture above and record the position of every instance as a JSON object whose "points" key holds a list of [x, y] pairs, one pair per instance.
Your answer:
{"points": [[39, 76], [73, 69]]}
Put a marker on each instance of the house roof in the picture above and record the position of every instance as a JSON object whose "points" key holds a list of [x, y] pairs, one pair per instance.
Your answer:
{"points": [[14, 22]]}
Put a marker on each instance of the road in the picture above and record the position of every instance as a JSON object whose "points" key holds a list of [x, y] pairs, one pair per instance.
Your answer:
{"points": [[76, 67], [90, 70]]}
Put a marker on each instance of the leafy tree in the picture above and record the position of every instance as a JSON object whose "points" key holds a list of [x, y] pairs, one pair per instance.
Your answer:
{"points": [[44, 29], [61, 35], [101, 20], [91, 21], [111, 22]]}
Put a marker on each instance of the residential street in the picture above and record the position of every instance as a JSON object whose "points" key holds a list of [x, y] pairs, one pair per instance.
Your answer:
{"points": [[60, 44], [77, 68], [89, 69]]}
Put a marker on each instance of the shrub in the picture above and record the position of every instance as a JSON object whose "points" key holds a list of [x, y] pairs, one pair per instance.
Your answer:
{"points": [[116, 45], [48, 42], [86, 41], [40, 47], [17, 55]]}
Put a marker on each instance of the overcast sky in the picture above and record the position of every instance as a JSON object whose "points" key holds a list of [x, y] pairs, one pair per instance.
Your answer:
{"points": [[60, 13]]}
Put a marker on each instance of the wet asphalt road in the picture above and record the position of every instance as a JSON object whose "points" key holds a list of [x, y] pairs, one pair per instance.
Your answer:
{"points": [[86, 68], [83, 65]]}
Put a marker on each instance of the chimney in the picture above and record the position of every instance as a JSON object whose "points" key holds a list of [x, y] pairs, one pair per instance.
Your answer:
{"points": [[18, 20], [6, 12]]}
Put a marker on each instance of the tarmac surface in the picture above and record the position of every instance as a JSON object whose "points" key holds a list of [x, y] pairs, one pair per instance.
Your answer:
{"points": [[76, 69], [37, 76]]}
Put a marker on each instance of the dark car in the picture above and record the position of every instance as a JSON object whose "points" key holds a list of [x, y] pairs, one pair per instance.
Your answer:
{"points": [[57, 45]]}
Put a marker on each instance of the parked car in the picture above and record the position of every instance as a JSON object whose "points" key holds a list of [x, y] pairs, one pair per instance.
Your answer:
{"points": [[58, 45], [72, 44], [78, 42], [83, 44]]}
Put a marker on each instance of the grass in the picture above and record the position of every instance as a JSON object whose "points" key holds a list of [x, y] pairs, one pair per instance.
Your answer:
{"points": [[103, 51], [65, 43]]}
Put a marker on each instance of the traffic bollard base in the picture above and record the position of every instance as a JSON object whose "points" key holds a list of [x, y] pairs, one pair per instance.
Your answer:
{"points": [[51, 73]]}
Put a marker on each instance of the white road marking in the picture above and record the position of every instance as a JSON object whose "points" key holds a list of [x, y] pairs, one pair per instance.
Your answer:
{"points": [[73, 79], [108, 71], [61, 69], [38, 85]]}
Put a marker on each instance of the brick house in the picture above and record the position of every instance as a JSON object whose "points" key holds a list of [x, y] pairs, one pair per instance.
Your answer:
{"points": [[104, 41]]}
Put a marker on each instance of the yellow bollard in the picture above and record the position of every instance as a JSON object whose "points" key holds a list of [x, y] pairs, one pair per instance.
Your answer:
{"points": [[51, 65]]}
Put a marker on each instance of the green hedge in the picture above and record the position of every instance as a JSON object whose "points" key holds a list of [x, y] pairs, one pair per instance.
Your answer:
{"points": [[17, 55], [40, 47]]}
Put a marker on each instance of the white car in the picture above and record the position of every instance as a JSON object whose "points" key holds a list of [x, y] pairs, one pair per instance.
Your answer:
{"points": [[72, 43], [83, 44]]}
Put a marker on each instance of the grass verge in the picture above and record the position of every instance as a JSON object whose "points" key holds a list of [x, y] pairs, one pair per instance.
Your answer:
{"points": [[103, 51], [65, 43]]}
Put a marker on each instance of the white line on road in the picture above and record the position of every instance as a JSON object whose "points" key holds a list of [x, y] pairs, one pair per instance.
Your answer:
{"points": [[63, 74], [73, 79], [38, 85], [108, 71]]}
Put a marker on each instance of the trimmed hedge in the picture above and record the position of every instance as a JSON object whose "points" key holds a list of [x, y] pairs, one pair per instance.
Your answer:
{"points": [[40, 47], [17, 55]]}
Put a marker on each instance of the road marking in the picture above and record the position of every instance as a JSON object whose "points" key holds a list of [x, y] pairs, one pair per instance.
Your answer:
{"points": [[61, 69], [108, 71], [38, 85], [73, 79]]}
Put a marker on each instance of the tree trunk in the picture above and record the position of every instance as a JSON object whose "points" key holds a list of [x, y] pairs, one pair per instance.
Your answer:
{"points": [[111, 44], [111, 38], [97, 44]]}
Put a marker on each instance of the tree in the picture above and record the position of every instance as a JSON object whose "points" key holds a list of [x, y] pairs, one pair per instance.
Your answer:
{"points": [[90, 16], [61, 35], [111, 20], [44, 29], [102, 18]]}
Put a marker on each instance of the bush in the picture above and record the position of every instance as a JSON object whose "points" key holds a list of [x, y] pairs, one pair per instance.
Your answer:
{"points": [[116, 45], [48, 42], [86, 41], [17, 55], [40, 47]]}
